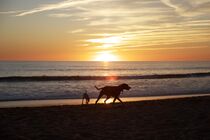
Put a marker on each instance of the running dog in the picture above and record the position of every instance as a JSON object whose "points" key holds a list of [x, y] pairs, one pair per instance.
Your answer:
{"points": [[112, 91]]}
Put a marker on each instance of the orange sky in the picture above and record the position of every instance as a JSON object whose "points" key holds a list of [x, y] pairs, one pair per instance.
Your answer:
{"points": [[105, 30]]}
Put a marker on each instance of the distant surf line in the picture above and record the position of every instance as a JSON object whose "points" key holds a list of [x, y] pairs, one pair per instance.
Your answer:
{"points": [[71, 78]]}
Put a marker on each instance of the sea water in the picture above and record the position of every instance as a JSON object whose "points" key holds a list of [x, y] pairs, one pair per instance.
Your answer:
{"points": [[69, 80]]}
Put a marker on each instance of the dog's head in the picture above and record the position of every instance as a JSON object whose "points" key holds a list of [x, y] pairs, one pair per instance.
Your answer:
{"points": [[125, 86]]}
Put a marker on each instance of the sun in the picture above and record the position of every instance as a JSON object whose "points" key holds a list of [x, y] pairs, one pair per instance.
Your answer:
{"points": [[106, 44], [106, 57]]}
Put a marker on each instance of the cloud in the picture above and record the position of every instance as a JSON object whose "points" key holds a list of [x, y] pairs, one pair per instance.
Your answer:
{"points": [[189, 7], [77, 31], [162, 48], [140, 23], [12, 12], [60, 15], [178, 5], [56, 6]]}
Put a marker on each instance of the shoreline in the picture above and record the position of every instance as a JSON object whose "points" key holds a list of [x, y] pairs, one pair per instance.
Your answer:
{"points": [[77, 102]]}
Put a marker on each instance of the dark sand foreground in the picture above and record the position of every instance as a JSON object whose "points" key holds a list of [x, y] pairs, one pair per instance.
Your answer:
{"points": [[171, 119]]}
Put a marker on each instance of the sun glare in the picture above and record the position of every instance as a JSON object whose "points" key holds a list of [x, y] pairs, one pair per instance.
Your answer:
{"points": [[106, 57], [107, 42]]}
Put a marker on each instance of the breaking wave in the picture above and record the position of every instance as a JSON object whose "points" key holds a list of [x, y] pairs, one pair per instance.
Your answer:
{"points": [[70, 78]]}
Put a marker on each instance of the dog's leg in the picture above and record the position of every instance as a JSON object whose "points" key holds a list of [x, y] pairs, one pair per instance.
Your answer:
{"points": [[119, 100], [100, 95], [106, 99], [114, 99]]}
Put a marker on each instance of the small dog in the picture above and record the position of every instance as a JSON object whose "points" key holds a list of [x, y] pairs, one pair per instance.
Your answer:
{"points": [[86, 97], [112, 91]]}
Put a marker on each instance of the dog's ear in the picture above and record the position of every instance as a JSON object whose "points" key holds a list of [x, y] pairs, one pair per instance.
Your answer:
{"points": [[121, 86]]}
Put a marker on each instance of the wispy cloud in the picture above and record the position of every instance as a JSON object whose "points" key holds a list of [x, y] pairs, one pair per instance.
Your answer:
{"points": [[12, 12], [162, 48], [189, 7], [60, 15], [77, 31], [137, 23], [56, 6]]}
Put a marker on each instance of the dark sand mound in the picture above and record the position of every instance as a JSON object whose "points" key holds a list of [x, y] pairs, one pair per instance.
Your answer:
{"points": [[171, 119]]}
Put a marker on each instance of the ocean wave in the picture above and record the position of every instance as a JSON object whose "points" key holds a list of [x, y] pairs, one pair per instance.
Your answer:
{"points": [[112, 69], [69, 78]]}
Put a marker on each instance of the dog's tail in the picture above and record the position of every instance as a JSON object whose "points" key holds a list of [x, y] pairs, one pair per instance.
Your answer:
{"points": [[98, 88]]}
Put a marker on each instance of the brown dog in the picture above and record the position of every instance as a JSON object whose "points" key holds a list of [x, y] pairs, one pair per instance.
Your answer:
{"points": [[112, 91]]}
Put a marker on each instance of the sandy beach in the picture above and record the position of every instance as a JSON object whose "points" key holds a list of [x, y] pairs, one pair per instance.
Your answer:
{"points": [[185, 118]]}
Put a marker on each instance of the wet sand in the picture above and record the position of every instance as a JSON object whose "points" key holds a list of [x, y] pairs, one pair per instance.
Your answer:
{"points": [[174, 119], [59, 102]]}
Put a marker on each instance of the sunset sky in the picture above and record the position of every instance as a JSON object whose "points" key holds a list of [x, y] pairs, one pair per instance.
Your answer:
{"points": [[105, 30]]}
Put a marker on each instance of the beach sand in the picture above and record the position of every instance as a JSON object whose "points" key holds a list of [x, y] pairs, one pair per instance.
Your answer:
{"points": [[171, 119]]}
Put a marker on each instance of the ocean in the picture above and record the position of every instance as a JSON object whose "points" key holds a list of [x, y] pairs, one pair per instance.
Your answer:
{"points": [[32, 80]]}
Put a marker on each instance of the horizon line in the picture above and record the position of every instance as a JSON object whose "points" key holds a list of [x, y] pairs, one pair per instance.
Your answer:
{"points": [[104, 61]]}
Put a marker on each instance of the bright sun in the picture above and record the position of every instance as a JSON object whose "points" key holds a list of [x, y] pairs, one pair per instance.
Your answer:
{"points": [[106, 43], [106, 57]]}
